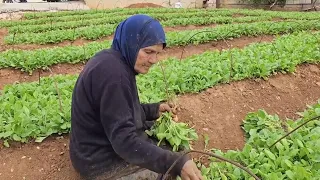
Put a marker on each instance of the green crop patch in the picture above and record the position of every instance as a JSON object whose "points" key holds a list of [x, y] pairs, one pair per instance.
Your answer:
{"points": [[32, 110], [111, 18], [223, 31], [43, 58], [183, 20], [294, 157]]}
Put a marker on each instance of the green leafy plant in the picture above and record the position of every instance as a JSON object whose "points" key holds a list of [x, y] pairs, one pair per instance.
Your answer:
{"points": [[179, 135], [32, 110], [174, 38], [167, 20], [114, 17], [43, 58], [295, 157]]}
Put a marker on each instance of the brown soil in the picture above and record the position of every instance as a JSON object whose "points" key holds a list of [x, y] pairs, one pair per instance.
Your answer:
{"points": [[238, 15], [277, 19], [3, 33], [9, 76], [144, 5], [218, 112], [11, 16]]}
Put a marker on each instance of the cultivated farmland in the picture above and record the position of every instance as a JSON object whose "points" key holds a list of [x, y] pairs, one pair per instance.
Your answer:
{"points": [[241, 79]]}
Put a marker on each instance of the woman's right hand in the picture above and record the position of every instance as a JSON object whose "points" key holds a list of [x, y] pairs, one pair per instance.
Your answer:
{"points": [[190, 171]]}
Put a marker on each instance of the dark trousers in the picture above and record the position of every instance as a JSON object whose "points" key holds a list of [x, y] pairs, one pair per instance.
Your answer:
{"points": [[126, 171]]}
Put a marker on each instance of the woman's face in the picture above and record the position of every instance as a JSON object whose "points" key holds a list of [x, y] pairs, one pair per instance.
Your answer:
{"points": [[147, 57]]}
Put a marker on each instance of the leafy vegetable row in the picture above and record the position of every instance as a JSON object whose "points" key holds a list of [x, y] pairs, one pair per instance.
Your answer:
{"points": [[161, 14], [43, 58], [260, 60], [253, 12], [32, 110], [278, 14], [224, 31], [114, 18], [186, 19], [34, 15], [295, 157]]}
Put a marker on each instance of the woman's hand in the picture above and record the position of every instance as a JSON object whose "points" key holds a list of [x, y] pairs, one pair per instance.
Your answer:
{"points": [[190, 171], [166, 108]]}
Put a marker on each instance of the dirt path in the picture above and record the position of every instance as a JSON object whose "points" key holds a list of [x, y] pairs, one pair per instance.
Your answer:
{"points": [[9, 76], [217, 112]]}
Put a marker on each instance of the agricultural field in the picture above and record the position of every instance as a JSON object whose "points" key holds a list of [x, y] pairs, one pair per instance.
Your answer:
{"points": [[241, 79]]}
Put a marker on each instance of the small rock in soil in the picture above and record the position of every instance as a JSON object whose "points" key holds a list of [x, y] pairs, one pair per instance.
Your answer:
{"points": [[60, 137], [38, 147], [59, 169], [205, 129], [318, 83], [23, 157], [4, 163], [29, 158], [61, 153], [11, 169]]}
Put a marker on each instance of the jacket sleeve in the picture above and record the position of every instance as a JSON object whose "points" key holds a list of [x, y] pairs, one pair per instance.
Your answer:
{"points": [[116, 105], [151, 111]]}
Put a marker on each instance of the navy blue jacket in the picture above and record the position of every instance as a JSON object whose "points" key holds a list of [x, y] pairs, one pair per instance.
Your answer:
{"points": [[108, 121]]}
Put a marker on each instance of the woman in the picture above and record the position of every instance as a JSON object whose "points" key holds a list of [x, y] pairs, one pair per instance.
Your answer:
{"points": [[108, 123]]}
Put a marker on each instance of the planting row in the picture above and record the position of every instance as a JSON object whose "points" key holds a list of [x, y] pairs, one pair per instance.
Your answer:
{"points": [[42, 58], [99, 31], [256, 12], [295, 157], [160, 14], [115, 18], [184, 20], [35, 15], [279, 14], [34, 110]]}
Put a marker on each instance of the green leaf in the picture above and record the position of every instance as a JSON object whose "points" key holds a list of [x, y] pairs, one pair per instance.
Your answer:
{"points": [[270, 154], [223, 177], [40, 139], [300, 144], [206, 141], [149, 133], [16, 138], [6, 144], [288, 163], [177, 141], [317, 111], [161, 135]]}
